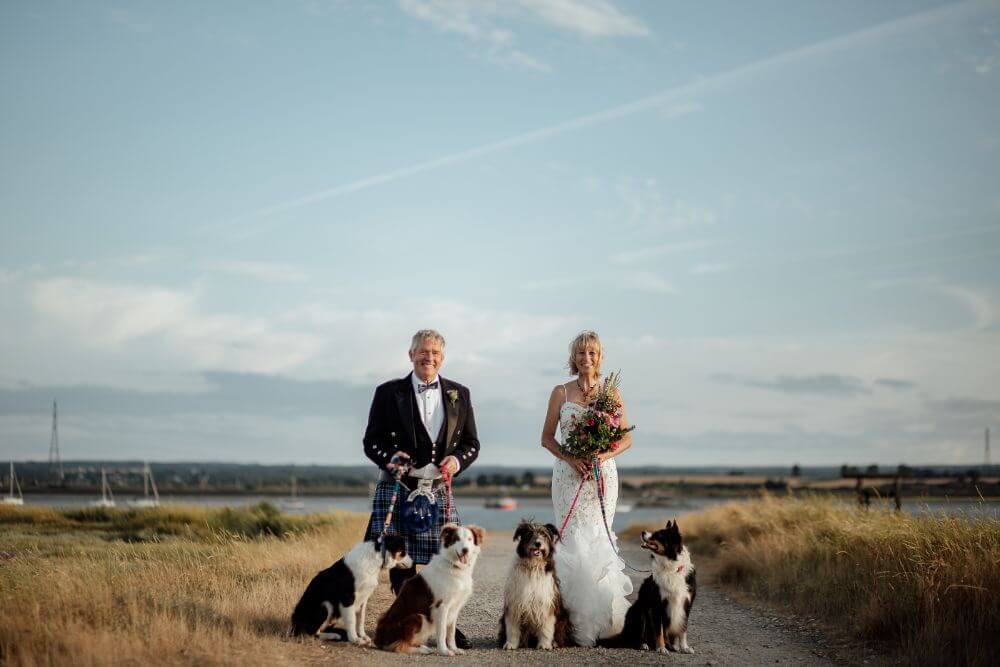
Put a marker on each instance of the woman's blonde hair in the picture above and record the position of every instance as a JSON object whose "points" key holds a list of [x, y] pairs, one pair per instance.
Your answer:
{"points": [[584, 339]]}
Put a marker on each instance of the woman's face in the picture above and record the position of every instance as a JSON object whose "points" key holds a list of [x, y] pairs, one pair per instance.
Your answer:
{"points": [[588, 356]]}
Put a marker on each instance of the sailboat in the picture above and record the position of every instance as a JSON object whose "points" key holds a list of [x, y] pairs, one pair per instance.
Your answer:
{"points": [[10, 498], [293, 503], [107, 498], [147, 483]]}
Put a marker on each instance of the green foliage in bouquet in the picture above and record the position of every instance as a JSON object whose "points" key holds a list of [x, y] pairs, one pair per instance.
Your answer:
{"points": [[598, 429]]}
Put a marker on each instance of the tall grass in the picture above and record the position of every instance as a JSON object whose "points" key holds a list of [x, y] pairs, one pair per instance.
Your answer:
{"points": [[927, 585], [160, 586]]}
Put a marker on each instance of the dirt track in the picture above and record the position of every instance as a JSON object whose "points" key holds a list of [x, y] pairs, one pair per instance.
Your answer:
{"points": [[723, 631]]}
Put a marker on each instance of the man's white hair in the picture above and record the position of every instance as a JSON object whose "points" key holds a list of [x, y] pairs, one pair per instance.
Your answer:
{"points": [[423, 335]]}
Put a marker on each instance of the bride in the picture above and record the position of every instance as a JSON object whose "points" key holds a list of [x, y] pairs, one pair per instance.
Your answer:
{"points": [[591, 577]]}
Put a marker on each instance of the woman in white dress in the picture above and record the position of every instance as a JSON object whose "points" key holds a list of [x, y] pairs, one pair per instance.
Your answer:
{"points": [[591, 575]]}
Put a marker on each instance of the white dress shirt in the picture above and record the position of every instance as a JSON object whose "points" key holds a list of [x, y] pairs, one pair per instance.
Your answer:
{"points": [[430, 407]]}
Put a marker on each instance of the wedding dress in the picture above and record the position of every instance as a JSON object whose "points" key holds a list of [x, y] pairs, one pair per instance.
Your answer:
{"points": [[591, 576]]}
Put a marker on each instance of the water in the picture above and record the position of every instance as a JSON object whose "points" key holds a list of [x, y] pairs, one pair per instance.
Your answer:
{"points": [[472, 510]]}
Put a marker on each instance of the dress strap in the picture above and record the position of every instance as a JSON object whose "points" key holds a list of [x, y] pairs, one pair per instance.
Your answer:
{"points": [[566, 393]]}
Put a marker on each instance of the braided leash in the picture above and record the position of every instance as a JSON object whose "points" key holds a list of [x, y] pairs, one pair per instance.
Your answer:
{"points": [[599, 481]]}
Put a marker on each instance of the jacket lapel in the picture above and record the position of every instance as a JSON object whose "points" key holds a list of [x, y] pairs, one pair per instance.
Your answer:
{"points": [[404, 403], [451, 411]]}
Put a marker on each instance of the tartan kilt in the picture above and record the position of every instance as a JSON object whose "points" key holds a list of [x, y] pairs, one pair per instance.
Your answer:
{"points": [[421, 546]]}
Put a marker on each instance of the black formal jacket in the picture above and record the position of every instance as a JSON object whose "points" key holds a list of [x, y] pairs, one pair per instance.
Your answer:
{"points": [[392, 420]]}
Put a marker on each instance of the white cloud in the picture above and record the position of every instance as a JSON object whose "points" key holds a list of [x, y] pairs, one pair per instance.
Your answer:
{"points": [[646, 205], [740, 74], [981, 307], [171, 322], [678, 109], [488, 24], [646, 281], [474, 21], [586, 17]]}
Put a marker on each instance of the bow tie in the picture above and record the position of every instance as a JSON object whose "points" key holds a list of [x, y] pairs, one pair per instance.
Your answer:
{"points": [[421, 388]]}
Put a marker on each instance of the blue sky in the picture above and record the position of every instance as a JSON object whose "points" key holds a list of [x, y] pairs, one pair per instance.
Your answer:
{"points": [[221, 224]]}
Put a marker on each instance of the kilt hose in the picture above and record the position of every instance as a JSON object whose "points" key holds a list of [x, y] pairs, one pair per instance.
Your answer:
{"points": [[420, 546]]}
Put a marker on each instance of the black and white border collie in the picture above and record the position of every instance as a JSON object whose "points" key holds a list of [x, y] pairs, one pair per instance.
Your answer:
{"points": [[533, 612], [659, 615], [429, 603], [337, 597]]}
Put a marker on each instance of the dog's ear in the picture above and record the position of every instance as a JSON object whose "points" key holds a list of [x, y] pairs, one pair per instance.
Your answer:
{"points": [[449, 534], [553, 531], [478, 534], [523, 529]]}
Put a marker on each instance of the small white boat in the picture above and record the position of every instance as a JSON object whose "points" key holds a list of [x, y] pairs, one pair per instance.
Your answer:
{"points": [[504, 503], [294, 502], [624, 507], [147, 483], [10, 498], [107, 498]]}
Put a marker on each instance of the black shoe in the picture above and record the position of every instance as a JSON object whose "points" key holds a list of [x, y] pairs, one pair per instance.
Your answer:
{"points": [[460, 640]]}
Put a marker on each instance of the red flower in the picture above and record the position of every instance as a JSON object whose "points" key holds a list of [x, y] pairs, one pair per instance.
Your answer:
{"points": [[590, 422]]}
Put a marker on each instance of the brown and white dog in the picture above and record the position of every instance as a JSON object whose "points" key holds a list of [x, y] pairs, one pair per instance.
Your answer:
{"points": [[533, 612], [429, 603]]}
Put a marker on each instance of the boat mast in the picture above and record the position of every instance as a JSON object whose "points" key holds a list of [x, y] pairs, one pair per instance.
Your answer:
{"points": [[148, 480]]}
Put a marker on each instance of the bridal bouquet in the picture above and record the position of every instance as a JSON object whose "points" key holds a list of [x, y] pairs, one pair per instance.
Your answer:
{"points": [[597, 429]]}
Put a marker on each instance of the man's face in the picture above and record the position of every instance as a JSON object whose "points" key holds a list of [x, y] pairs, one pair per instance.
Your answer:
{"points": [[427, 359]]}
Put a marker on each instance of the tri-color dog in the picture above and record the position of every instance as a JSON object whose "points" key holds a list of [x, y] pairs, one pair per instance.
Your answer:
{"points": [[429, 603], [337, 597], [659, 615], [533, 612]]}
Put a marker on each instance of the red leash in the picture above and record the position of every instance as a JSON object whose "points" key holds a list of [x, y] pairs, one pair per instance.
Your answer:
{"points": [[572, 507]]}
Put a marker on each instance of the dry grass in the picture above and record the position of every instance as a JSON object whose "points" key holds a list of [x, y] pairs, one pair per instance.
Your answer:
{"points": [[193, 586], [927, 586]]}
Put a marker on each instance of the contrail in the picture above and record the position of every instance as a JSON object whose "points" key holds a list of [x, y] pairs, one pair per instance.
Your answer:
{"points": [[699, 87]]}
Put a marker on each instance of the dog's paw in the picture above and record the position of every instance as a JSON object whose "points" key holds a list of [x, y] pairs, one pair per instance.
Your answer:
{"points": [[644, 647], [423, 650], [545, 646], [458, 651], [686, 649], [447, 652], [510, 646], [662, 649]]}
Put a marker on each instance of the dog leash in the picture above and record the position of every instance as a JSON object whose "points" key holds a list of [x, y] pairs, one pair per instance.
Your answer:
{"points": [[399, 469], [572, 507], [599, 482]]}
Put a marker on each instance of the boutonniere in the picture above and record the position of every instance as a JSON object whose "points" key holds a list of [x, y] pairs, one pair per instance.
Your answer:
{"points": [[453, 397]]}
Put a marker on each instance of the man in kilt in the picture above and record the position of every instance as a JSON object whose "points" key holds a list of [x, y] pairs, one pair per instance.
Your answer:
{"points": [[429, 419]]}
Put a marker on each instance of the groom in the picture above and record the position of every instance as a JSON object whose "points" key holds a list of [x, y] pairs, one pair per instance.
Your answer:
{"points": [[430, 420]]}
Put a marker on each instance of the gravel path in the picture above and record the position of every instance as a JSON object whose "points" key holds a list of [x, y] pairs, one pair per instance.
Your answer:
{"points": [[723, 631]]}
